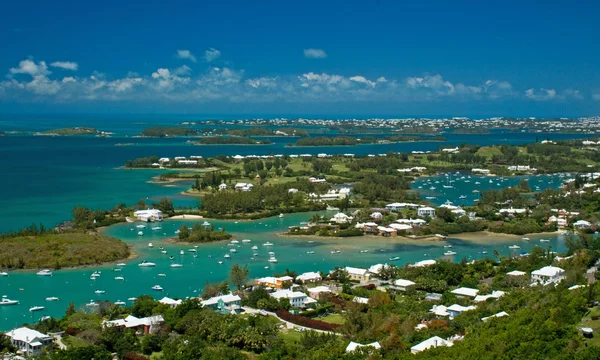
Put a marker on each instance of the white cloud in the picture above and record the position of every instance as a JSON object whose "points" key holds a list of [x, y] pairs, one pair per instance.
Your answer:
{"points": [[125, 84], [68, 79], [315, 54], [31, 68], [363, 80], [186, 55], [571, 93], [182, 70], [65, 65], [211, 54], [267, 82]]}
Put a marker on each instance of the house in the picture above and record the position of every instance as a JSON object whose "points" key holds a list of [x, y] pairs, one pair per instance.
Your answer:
{"points": [[516, 273], [400, 206], [222, 187], [465, 292], [426, 211], [308, 277], [171, 302], [512, 211], [548, 275], [340, 218], [360, 300], [315, 180], [274, 282], [377, 216], [353, 346], [455, 310], [318, 290], [432, 342], [386, 231], [149, 215], [439, 310], [582, 224], [494, 295], [433, 297], [297, 299], [358, 274], [480, 171], [164, 160], [403, 285], [243, 186], [370, 227], [401, 227], [423, 263], [28, 341], [521, 168], [377, 268], [224, 304], [498, 315], [145, 325]]}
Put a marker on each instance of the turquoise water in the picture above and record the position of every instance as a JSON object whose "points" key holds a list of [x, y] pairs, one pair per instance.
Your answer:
{"points": [[75, 285]]}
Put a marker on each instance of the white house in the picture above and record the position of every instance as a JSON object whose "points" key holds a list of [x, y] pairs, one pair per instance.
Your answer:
{"points": [[297, 299], [432, 342], [498, 315], [516, 273], [465, 292], [439, 310], [28, 341], [145, 325], [243, 186], [548, 275], [426, 211], [423, 263], [497, 294], [309, 277], [403, 284], [358, 274], [318, 290], [377, 215], [222, 187], [171, 302], [340, 218], [582, 224], [353, 346], [401, 227], [149, 215], [455, 310]]}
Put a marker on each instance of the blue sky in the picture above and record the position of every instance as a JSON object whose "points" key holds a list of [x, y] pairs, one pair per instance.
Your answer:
{"points": [[380, 57]]}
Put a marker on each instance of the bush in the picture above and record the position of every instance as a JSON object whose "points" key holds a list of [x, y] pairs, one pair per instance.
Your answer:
{"points": [[306, 322]]}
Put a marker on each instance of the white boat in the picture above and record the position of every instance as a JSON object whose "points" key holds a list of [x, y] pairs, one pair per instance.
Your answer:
{"points": [[117, 270], [3, 273], [146, 264], [206, 224], [220, 262], [150, 245], [310, 252], [254, 247], [131, 299], [140, 233], [271, 253], [192, 250], [226, 256], [395, 258], [484, 252], [335, 251], [156, 228], [364, 251], [246, 240], [462, 197], [141, 226], [181, 252], [52, 298], [525, 238], [163, 251], [121, 264], [44, 318], [280, 215], [449, 253], [6, 301], [441, 236], [235, 242], [36, 308], [514, 247], [232, 250], [45, 272], [157, 288], [176, 265], [432, 188], [162, 275], [544, 240], [92, 303], [267, 244], [95, 274], [119, 278], [119, 302], [100, 292], [272, 259]]}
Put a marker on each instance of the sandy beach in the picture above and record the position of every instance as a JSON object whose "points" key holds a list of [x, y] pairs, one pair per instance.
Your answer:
{"points": [[185, 217]]}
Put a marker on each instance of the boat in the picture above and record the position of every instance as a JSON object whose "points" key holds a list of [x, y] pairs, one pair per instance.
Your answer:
{"points": [[195, 256], [448, 186], [150, 245], [430, 197], [157, 288], [45, 272], [235, 242], [280, 215], [447, 246], [462, 197], [267, 244], [121, 264], [131, 299], [52, 298], [3, 273], [395, 258], [140, 233], [484, 252], [100, 292], [246, 240], [449, 253], [181, 252], [232, 250], [162, 275], [146, 264], [119, 278], [254, 247], [6, 301], [432, 188], [176, 265], [36, 308], [220, 262], [119, 302], [206, 224], [525, 238], [544, 240], [155, 228], [335, 251], [192, 250], [226, 256], [44, 318], [364, 251], [272, 259], [514, 247], [271, 253], [141, 226], [163, 251], [92, 303], [95, 274], [441, 236], [310, 252]]}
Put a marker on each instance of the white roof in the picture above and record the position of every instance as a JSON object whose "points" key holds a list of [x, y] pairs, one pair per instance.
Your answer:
{"points": [[460, 308], [549, 271], [440, 310], [403, 282], [400, 227], [500, 314], [516, 273], [582, 223], [426, 208], [429, 343], [465, 291], [495, 294], [356, 271], [308, 276], [353, 346], [360, 300], [132, 321], [226, 299], [287, 294], [423, 263], [318, 289], [26, 334], [169, 301]]}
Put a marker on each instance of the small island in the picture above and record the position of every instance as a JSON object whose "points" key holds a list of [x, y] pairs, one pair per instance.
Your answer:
{"points": [[260, 131], [201, 233], [164, 131], [231, 140], [470, 131], [48, 249], [352, 141], [74, 131]]}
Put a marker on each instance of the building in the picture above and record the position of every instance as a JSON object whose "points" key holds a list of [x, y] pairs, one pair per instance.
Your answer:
{"points": [[243, 186], [145, 325], [465, 292], [548, 275], [222, 187], [149, 215], [432, 342], [497, 294], [401, 227], [516, 273], [318, 290], [297, 299], [498, 315], [377, 216], [358, 274], [274, 282], [386, 231], [353, 346], [423, 263], [28, 341], [403, 285], [225, 304], [400, 206], [426, 211], [582, 224], [340, 218], [309, 277], [171, 302], [455, 310]]}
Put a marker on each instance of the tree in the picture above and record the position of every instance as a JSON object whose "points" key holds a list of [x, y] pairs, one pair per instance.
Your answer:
{"points": [[143, 306], [239, 275], [71, 309], [165, 205]]}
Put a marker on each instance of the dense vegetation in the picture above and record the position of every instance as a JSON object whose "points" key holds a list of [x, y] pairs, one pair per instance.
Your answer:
{"points": [[56, 250], [346, 140], [261, 131], [164, 131], [73, 131], [201, 234], [146, 162], [232, 140]]}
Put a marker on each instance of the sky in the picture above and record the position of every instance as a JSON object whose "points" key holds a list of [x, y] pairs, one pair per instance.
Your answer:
{"points": [[333, 58]]}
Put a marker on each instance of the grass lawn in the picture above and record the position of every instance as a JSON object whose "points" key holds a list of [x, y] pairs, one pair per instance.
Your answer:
{"points": [[488, 151], [333, 319], [290, 336], [594, 324]]}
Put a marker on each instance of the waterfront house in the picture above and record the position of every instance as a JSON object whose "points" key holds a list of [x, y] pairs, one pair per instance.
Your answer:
{"points": [[387, 231], [149, 215], [354, 345], [172, 303], [297, 299], [401, 227], [27, 341], [225, 304], [548, 275], [403, 285], [370, 228], [358, 274], [274, 282], [465, 292], [340, 218], [582, 224], [309, 277], [145, 325], [432, 342], [426, 211]]}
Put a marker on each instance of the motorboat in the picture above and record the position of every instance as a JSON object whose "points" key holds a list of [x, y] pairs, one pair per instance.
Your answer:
{"points": [[119, 278], [52, 298], [162, 275], [267, 244], [6, 301], [525, 238], [44, 318], [163, 251], [92, 303], [192, 250], [45, 272], [95, 274], [100, 292], [176, 265], [246, 240], [156, 228], [146, 264], [121, 264], [271, 253], [157, 288], [36, 308], [335, 251], [462, 197], [232, 250], [514, 247], [150, 245], [119, 302], [3, 273], [131, 299], [450, 253], [395, 258], [280, 215], [364, 251], [235, 242], [141, 226], [171, 257], [272, 259], [206, 224], [220, 262], [226, 256], [140, 233], [254, 247], [181, 252], [544, 240], [310, 252], [195, 256]]}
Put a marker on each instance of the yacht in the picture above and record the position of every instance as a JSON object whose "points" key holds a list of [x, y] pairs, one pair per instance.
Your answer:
{"points": [[395, 258], [220, 262], [544, 240], [100, 292], [192, 250], [206, 224], [3, 273], [514, 247], [254, 247], [525, 238], [462, 197], [119, 278], [92, 303], [140, 233], [156, 228], [119, 302], [52, 298], [235, 242], [335, 251], [157, 288], [246, 240], [176, 265], [36, 308], [162, 275], [226, 256], [449, 253], [272, 259], [441, 236], [146, 264], [364, 251], [280, 215], [150, 245], [163, 251], [181, 252], [141, 226], [267, 244], [131, 299], [95, 274], [271, 253], [45, 272], [432, 188], [121, 264], [310, 252], [232, 250], [7, 301], [447, 246], [484, 252], [44, 318]]}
